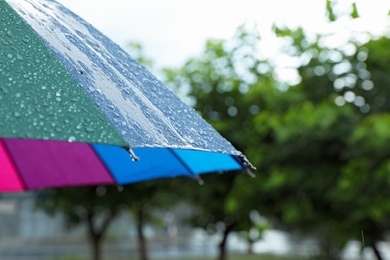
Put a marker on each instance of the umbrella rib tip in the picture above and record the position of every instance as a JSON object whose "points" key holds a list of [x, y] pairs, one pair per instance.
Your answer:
{"points": [[199, 179], [250, 173], [246, 163], [133, 155], [248, 166]]}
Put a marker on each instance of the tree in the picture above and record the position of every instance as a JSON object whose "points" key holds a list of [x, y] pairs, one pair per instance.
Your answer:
{"points": [[252, 228], [94, 206], [354, 77], [97, 206], [144, 199], [208, 206], [317, 152], [318, 144], [218, 88]]}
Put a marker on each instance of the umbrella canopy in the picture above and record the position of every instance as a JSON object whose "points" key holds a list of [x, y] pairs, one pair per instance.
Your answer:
{"points": [[71, 100]]}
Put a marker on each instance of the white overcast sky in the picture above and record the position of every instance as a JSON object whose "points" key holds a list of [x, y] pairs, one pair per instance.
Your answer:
{"points": [[173, 30]]}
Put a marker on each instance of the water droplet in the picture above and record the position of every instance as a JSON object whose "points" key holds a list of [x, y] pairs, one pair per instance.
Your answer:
{"points": [[4, 90], [26, 39], [89, 129], [9, 34], [71, 139], [9, 56], [17, 114], [19, 57]]}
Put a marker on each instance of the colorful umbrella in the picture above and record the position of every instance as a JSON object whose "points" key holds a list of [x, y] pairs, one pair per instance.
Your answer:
{"points": [[72, 103]]}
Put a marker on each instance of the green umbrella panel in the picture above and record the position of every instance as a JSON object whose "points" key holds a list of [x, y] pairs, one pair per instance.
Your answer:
{"points": [[39, 98]]}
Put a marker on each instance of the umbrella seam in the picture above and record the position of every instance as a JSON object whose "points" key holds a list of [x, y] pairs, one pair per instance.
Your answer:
{"points": [[14, 164], [183, 163], [103, 162], [239, 160]]}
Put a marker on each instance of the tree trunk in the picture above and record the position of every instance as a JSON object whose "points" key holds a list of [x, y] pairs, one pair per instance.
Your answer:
{"points": [[96, 234], [229, 226], [250, 246], [377, 252], [96, 253], [142, 248]]}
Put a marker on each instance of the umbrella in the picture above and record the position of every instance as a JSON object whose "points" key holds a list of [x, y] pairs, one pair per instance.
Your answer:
{"points": [[74, 105]]}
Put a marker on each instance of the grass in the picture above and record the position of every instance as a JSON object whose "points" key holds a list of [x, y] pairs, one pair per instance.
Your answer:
{"points": [[230, 257], [243, 257]]}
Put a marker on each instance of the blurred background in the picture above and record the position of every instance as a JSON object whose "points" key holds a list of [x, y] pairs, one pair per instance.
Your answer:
{"points": [[301, 87]]}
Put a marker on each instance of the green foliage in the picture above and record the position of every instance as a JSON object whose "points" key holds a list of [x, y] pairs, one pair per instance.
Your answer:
{"points": [[152, 196], [97, 206], [136, 51], [329, 10], [220, 81], [76, 203], [333, 16], [208, 200], [354, 13]]}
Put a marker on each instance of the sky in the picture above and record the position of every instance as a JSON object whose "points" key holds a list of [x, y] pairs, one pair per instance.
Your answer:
{"points": [[171, 31]]}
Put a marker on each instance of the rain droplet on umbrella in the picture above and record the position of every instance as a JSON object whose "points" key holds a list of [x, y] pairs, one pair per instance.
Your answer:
{"points": [[26, 39], [89, 129], [4, 42], [71, 139], [4, 90]]}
